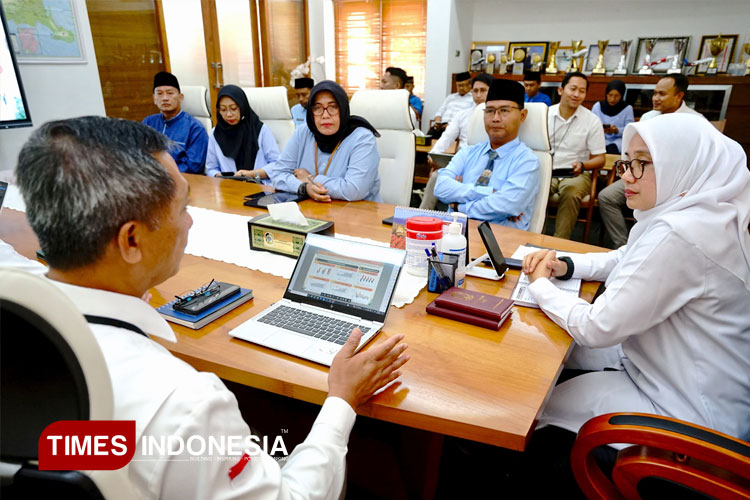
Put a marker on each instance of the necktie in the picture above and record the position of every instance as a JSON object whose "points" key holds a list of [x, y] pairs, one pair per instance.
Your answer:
{"points": [[484, 179]]}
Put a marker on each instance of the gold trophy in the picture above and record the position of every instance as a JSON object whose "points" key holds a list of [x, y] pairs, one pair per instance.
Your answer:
{"points": [[746, 50], [490, 64], [519, 56], [553, 46], [599, 69], [503, 66], [624, 46], [716, 46], [650, 43], [574, 65], [679, 44]]}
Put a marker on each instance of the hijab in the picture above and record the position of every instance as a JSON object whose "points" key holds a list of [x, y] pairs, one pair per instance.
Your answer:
{"points": [[608, 110], [239, 141], [348, 123], [702, 188]]}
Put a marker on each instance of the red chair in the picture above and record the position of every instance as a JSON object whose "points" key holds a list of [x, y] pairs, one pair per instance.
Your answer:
{"points": [[668, 458]]}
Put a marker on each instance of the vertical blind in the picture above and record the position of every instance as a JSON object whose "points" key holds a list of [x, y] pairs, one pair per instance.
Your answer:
{"points": [[373, 35]]}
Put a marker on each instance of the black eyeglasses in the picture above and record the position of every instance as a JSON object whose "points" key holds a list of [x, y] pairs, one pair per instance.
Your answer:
{"points": [[504, 111], [211, 288], [333, 109], [635, 166]]}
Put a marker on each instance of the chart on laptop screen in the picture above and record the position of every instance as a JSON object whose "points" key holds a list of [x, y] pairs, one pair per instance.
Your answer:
{"points": [[346, 280]]}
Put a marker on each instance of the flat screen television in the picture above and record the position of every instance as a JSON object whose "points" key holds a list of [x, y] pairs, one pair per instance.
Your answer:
{"points": [[14, 110]]}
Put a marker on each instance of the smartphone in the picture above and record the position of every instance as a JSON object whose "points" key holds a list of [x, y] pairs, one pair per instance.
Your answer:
{"points": [[262, 199], [562, 172], [499, 263]]}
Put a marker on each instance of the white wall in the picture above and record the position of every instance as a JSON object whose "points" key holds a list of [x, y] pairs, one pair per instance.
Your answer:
{"points": [[449, 34], [56, 91], [613, 20], [183, 20], [321, 31]]}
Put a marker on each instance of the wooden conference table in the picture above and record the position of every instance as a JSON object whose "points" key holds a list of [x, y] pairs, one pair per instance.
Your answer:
{"points": [[462, 380]]}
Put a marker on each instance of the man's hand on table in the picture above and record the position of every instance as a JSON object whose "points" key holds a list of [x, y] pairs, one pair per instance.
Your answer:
{"points": [[356, 377]]}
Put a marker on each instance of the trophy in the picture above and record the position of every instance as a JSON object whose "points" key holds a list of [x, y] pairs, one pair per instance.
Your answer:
{"points": [[649, 43], [519, 56], [624, 46], [679, 45], [536, 62], [574, 65], [599, 69], [746, 50], [490, 64], [552, 69], [716, 46]]}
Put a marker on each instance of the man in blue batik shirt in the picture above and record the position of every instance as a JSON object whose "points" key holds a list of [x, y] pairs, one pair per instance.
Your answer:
{"points": [[302, 87], [188, 135], [532, 82], [414, 101], [496, 180]]}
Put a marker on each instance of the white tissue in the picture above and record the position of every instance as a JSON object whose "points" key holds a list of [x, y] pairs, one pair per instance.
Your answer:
{"points": [[288, 212]]}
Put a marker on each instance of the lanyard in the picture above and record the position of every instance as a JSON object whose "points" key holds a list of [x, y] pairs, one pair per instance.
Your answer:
{"points": [[325, 172], [554, 130], [102, 320]]}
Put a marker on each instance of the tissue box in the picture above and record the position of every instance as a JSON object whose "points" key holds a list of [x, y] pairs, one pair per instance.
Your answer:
{"points": [[423, 140], [281, 237]]}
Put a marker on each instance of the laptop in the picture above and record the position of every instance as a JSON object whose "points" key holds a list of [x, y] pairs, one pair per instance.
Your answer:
{"points": [[336, 285], [3, 190]]}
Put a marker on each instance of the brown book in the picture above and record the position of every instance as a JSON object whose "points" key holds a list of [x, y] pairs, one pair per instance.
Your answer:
{"points": [[492, 324], [475, 303]]}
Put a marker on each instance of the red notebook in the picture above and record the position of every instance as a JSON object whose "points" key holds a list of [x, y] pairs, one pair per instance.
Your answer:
{"points": [[492, 324], [474, 303]]}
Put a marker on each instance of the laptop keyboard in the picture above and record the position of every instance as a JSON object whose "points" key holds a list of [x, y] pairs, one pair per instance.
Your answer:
{"points": [[314, 325]]}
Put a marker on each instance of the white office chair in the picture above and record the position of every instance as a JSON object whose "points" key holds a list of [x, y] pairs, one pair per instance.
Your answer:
{"points": [[46, 339], [272, 107], [196, 103], [388, 112], [533, 133]]}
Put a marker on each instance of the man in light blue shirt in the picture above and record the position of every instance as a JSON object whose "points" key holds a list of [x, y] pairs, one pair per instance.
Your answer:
{"points": [[532, 82], [496, 180], [302, 87]]}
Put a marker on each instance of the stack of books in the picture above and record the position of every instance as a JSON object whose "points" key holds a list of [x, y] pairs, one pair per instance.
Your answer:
{"points": [[475, 308]]}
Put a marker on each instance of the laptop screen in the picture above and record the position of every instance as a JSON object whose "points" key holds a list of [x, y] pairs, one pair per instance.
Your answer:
{"points": [[346, 276], [3, 189]]}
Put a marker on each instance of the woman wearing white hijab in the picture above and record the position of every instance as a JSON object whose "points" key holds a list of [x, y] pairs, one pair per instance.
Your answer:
{"points": [[677, 295]]}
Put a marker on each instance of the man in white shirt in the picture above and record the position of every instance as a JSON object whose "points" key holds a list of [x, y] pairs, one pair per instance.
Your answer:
{"points": [[457, 129], [669, 96], [453, 104], [577, 141], [109, 208]]}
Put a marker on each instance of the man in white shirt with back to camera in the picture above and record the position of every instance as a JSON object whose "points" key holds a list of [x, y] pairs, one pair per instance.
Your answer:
{"points": [[577, 140], [105, 263], [669, 97]]}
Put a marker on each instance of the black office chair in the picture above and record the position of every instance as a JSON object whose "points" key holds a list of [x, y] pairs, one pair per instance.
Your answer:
{"points": [[51, 369]]}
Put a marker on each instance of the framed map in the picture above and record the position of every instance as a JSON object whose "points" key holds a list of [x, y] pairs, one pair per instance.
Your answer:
{"points": [[44, 31]]}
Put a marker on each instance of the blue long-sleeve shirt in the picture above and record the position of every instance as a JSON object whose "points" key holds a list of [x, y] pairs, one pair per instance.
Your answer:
{"points": [[620, 120], [511, 191], [416, 103], [352, 175], [189, 137], [299, 114], [268, 153], [539, 97]]}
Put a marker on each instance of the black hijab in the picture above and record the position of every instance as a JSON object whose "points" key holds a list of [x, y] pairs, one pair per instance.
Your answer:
{"points": [[239, 141], [608, 110], [348, 123]]}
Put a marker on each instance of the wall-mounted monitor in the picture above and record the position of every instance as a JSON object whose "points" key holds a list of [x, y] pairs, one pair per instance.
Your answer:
{"points": [[14, 110]]}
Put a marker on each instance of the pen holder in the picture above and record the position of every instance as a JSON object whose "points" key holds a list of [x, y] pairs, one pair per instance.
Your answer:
{"points": [[447, 266]]}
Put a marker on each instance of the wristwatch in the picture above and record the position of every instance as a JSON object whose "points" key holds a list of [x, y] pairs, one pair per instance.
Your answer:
{"points": [[571, 268], [302, 190]]}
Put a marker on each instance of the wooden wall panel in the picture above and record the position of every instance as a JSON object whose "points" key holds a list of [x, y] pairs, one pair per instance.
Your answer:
{"points": [[128, 53]]}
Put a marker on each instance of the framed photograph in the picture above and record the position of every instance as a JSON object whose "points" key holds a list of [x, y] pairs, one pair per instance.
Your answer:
{"points": [[661, 55], [611, 57], [48, 35], [725, 57], [533, 54], [485, 56], [563, 58]]}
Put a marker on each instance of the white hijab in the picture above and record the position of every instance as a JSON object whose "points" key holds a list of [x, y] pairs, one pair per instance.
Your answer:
{"points": [[702, 188]]}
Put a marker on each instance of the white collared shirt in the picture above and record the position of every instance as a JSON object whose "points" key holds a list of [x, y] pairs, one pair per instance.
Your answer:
{"points": [[454, 104], [576, 138], [457, 128], [168, 397], [684, 108]]}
